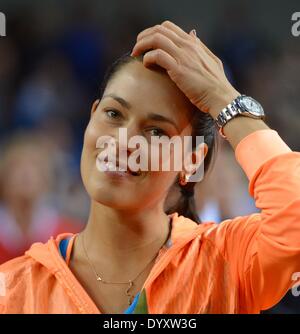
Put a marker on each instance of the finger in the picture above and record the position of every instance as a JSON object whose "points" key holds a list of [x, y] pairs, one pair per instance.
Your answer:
{"points": [[204, 49], [208, 51], [172, 26], [155, 41], [160, 58], [159, 29], [193, 33]]}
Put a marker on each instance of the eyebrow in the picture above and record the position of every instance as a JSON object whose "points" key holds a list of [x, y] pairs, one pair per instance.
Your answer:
{"points": [[119, 99], [160, 118], [152, 116]]}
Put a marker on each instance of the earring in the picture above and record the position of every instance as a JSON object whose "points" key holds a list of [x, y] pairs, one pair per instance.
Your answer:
{"points": [[184, 179]]}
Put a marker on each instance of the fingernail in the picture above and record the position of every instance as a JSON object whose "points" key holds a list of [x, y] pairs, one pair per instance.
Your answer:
{"points": [[194, 32]]}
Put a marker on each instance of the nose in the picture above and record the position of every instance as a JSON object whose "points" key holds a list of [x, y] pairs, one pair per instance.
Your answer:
{"points": [[126, 134]]}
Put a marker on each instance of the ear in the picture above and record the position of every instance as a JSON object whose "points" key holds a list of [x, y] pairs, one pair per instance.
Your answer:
{"points": [[197, 155], [94, 106]]}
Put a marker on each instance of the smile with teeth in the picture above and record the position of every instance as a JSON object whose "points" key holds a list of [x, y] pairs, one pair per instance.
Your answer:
{"points": [[108, 166]]}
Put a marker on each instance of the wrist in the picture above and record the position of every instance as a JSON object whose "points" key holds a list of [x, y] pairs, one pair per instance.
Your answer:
{"points": [[241, 127], [222, 101], [242, 116]]}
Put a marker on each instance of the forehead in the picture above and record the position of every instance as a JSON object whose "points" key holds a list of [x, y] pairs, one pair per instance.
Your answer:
{"points": [[150, 91]]}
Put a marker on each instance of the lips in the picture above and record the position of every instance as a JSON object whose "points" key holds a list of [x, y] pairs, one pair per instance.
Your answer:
{"points": [[119, 167]]}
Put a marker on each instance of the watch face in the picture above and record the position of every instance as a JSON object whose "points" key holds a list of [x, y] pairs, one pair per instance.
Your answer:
{"points": [[251, 106]]}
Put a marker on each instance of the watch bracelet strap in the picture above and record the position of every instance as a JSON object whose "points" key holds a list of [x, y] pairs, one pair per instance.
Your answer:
{"points": [[227, 113]]}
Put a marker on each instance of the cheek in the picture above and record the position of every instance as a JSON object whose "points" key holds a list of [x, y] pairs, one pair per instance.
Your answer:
{"points": [[89, 151], [91, 135]]}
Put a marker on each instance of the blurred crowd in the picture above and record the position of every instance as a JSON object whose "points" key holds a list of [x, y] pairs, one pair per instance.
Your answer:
{"points": [[51, 67]]}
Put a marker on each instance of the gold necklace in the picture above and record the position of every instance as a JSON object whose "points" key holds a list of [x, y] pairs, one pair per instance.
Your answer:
{"points": [[129, 283]]}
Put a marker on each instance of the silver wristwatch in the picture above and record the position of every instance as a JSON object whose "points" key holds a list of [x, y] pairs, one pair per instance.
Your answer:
{"points": [[241, 106]]}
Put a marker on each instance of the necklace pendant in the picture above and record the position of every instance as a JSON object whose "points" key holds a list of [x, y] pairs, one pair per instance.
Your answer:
{"points": [[130, 300], [99, 279], [130, 296], [128, 289]]}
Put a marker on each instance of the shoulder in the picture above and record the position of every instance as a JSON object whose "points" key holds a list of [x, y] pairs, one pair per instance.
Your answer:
{"points": [[39, 256], [26, 281], [15, 279], [242, 224], [240, 229], [17, 266]]}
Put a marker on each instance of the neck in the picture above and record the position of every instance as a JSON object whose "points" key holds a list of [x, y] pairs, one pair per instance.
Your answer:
{"points": [[120, 235]]}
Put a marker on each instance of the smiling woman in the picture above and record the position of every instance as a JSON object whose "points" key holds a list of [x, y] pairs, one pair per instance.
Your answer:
{"points": [[141, 252], [159, 106]]}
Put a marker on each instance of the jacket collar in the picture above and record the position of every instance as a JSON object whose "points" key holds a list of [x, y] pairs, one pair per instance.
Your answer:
{"points": [[183, 230]]}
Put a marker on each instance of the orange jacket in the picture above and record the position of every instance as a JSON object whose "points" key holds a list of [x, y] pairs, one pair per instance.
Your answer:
{"points": [[242, 265]]}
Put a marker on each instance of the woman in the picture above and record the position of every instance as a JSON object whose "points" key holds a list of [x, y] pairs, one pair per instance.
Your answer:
{"points": [[138, 256]]}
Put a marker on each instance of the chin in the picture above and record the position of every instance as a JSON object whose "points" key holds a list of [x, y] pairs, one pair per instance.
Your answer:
{"points": [[113, 198]]}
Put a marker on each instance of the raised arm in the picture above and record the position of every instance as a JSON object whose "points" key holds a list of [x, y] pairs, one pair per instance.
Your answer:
{"points": [[263, 249], [197, 72]]}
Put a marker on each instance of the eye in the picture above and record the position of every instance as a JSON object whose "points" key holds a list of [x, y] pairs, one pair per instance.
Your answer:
{"points": [[112, 113], [158, 132]]}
